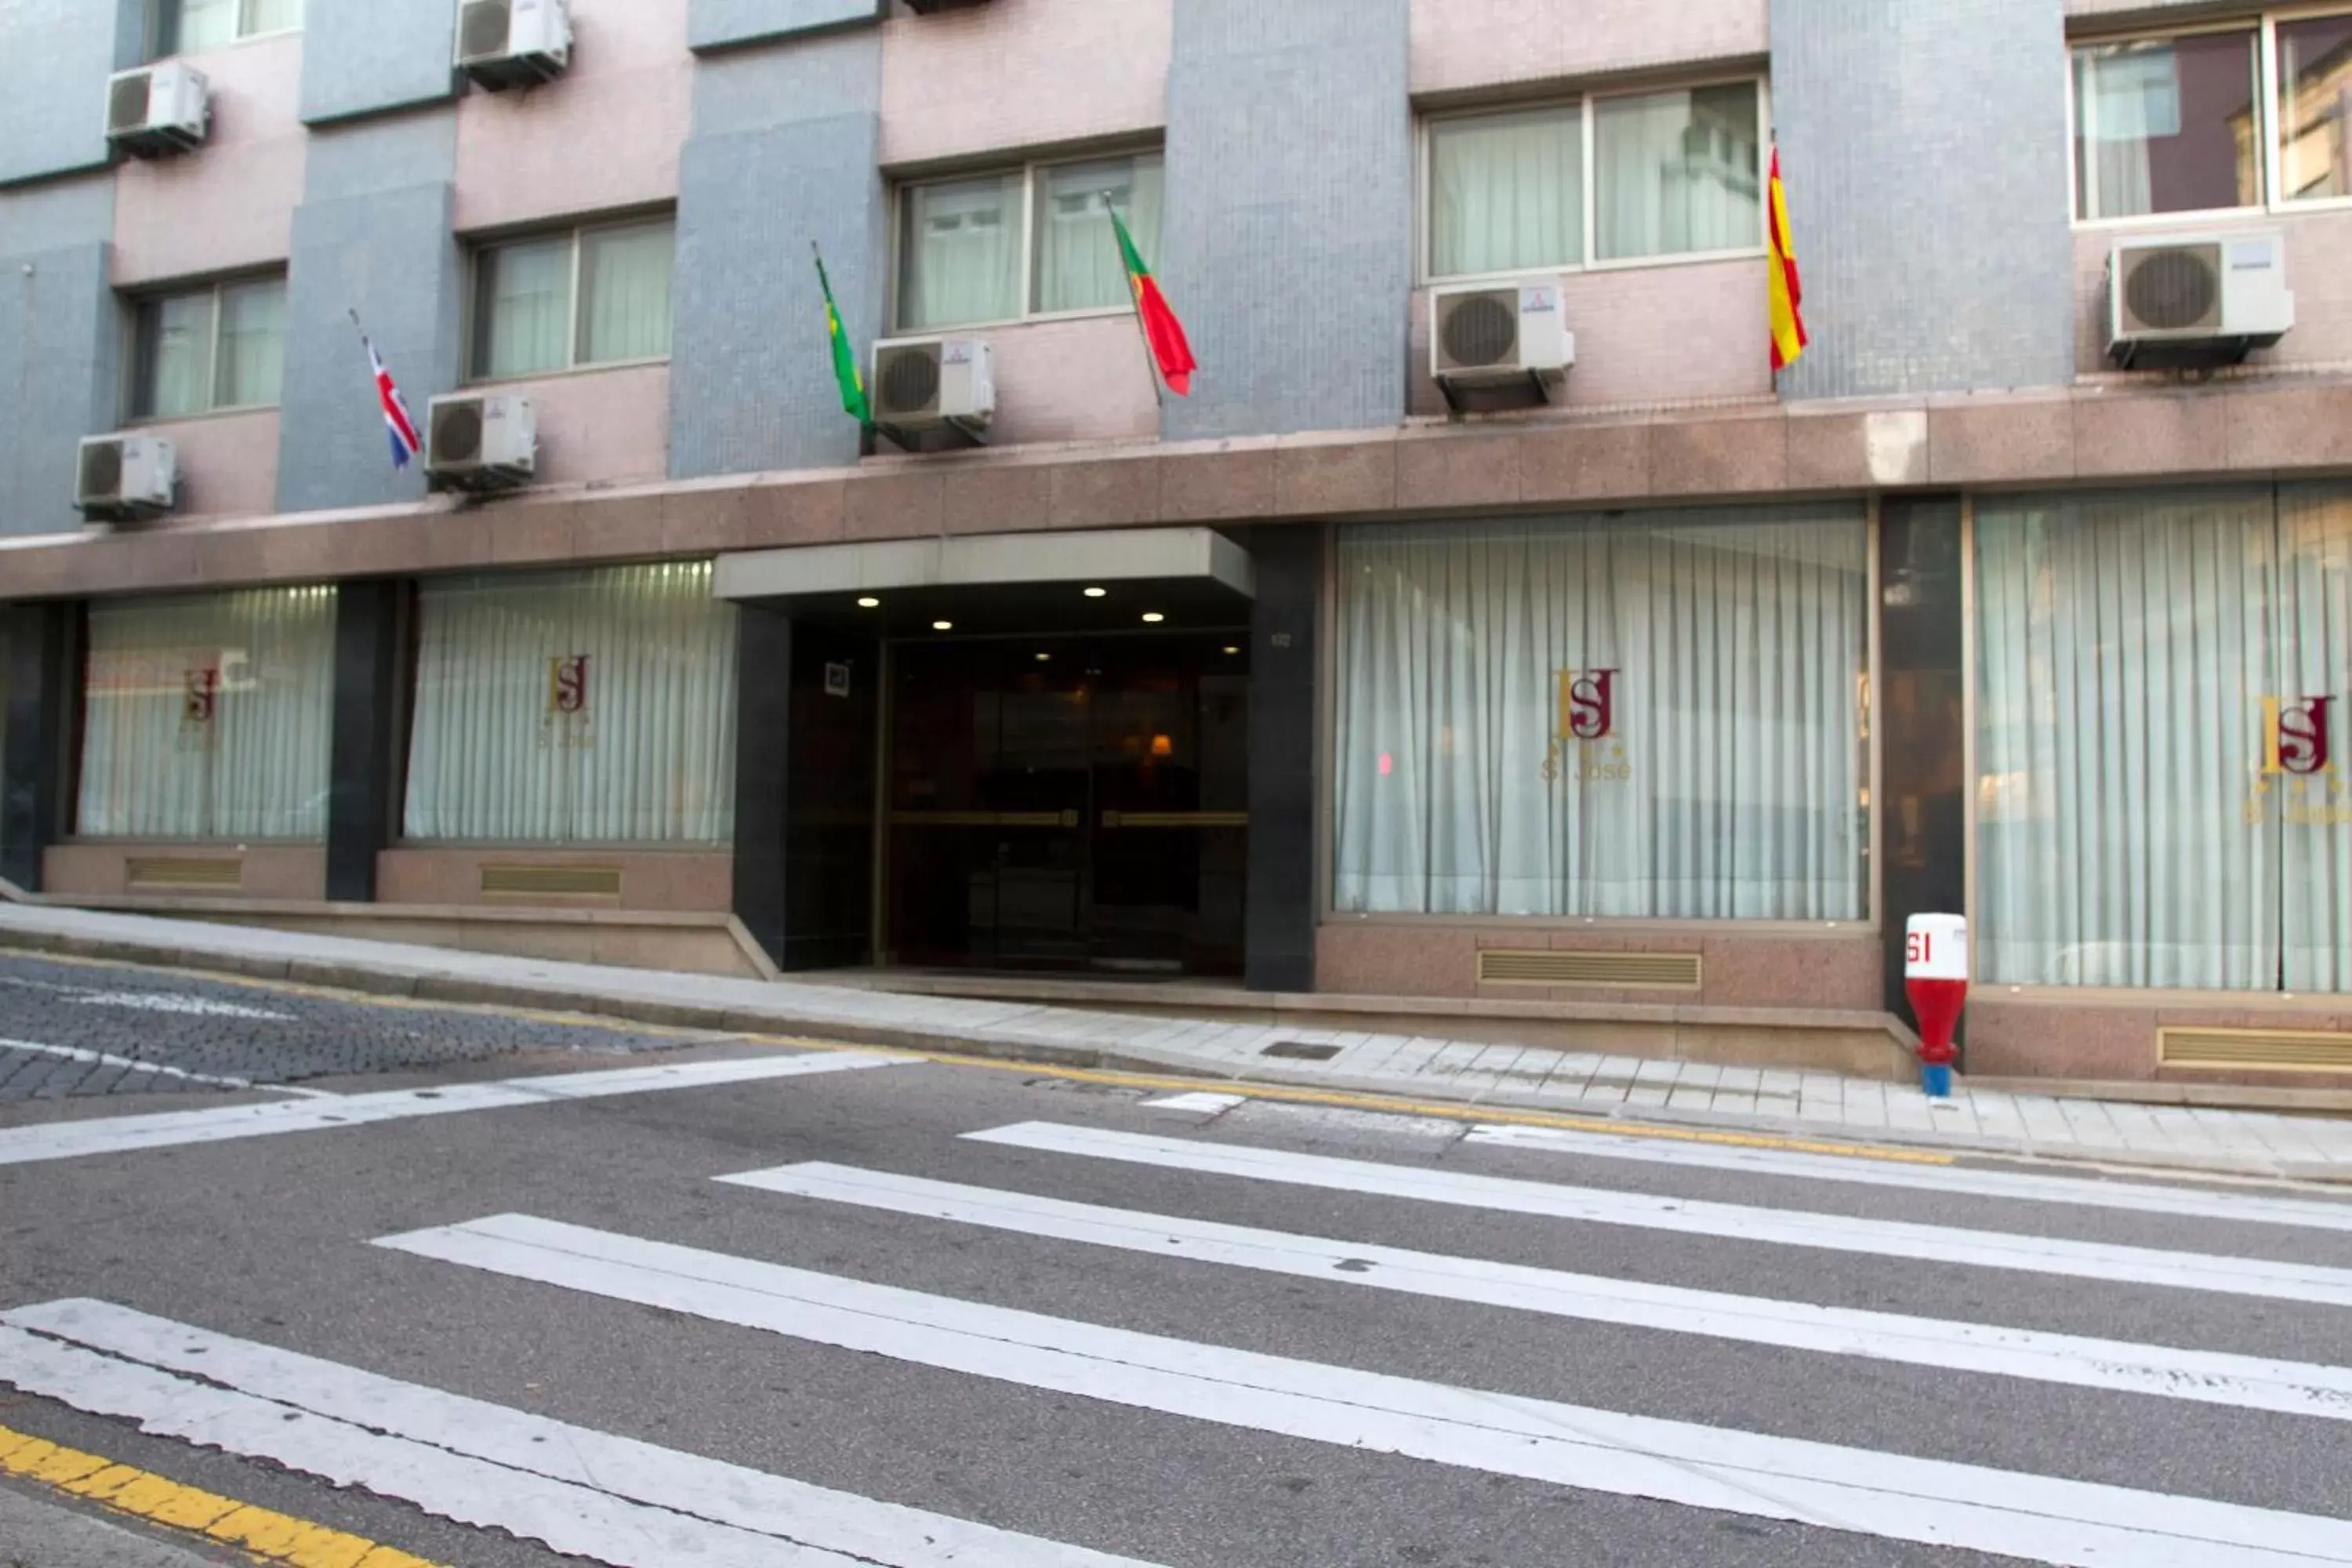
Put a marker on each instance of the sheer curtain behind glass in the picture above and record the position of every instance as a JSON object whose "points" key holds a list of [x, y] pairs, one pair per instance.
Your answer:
{"points": [[624, 274], [175, 356], [522, 308], [959, 252], [1730, 782], [156, 763], [1079, 264], [646, 755], [252, 344], [1507, 191], [1678, 172], [2166, 125], [2314, 814]]}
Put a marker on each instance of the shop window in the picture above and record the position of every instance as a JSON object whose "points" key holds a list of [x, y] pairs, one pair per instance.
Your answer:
{"points": [[2161, 797], [202, 350], [1653, 716], [183, 27], [1023, 242], [578, 707], [580, 297], [208, 716], [1677, 172]]}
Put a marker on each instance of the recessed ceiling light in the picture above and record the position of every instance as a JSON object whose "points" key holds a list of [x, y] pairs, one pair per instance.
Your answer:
{"points": [[1096, 592], [1152, 617], [1232, 650], [1043, 657], [870, 603], [942, 626]]}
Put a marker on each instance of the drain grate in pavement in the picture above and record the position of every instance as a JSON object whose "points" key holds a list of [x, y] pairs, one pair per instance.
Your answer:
{"points": [[1299, 1050]]}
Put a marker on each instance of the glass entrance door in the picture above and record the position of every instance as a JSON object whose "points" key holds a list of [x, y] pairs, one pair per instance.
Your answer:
{"points": [[1073, 804]]}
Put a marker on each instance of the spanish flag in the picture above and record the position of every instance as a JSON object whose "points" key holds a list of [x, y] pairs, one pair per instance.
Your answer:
{"points": [[1162, 333], [1788, 295]]}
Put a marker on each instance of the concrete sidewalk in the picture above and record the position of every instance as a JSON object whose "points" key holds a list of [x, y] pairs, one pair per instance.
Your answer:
{"points": [[1813, 1104]]}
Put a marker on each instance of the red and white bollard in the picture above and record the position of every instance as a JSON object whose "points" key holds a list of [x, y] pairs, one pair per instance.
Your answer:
{"points": [[1936, 975]]}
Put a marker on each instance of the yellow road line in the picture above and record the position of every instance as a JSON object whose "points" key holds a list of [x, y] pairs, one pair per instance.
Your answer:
{"points": [[268, 1536], [1398, 1105]]}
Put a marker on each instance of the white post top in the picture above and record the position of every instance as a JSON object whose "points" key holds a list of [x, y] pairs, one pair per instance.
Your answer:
{"points": [[1935, 947]]}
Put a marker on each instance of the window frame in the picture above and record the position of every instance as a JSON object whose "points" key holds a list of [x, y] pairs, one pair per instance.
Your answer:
{"points": [[165, 26], [1425, 275], [2264, 26], [479, 248], [1031, 169], [136, 303]]}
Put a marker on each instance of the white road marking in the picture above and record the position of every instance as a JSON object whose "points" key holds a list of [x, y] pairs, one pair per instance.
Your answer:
{"points": [[119, 1134], [107, 1058], [1210, 1104], [2252, 1383], [1786, 1227], [2078, 1191], [148, 1001], [2039, 1518], [612, 1499]]}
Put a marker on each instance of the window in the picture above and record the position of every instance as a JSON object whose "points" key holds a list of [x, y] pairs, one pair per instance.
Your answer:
{"points": [[586, 296], [186, 26], [2180, 124], [1657, 715], [1022, 242], [1619, 178], [219, 347], [577, 707], [2161, 684], [208, 715]]}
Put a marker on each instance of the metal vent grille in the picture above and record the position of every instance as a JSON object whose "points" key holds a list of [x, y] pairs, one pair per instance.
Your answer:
{"points": [[126, 102], [2286, 1050], [176, 871], [482, 29], [457, 435], [553, 881], [908, 379], [1541, 967], [1478, 331], [2173, 289], [102, 470]]}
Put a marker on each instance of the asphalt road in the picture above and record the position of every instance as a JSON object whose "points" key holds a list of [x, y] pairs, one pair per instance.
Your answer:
{"points": [[275, 1239]]}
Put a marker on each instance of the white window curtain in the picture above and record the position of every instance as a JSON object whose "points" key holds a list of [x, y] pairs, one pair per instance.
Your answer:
{"points": [[522, 320], [1730, 782], [1507, 191], [175, 347], [2129, 832], [960, 253], [2125, 97], [252, 344], [208, 716], [594, 707], [1079, 264], [1678, 172], [624, 274], [203, 25]]}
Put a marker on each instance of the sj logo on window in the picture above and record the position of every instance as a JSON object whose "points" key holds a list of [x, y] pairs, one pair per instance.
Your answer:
{"points": [[200, 689], [2299, 767], [566, 720], [1587, 720]]}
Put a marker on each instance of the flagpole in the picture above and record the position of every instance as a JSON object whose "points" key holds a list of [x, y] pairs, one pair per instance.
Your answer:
{"points": [[1135, 309]]}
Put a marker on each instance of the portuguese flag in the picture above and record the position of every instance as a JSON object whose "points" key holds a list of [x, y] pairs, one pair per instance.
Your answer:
{"points": [[853, 401], [1162, 333]]}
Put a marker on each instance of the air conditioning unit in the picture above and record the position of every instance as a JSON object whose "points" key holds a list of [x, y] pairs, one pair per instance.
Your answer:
{"points": [[480, 441], [933, 392], [2197, 299], [157, 109], [125, 477], [1499, 345], [512, 42]]}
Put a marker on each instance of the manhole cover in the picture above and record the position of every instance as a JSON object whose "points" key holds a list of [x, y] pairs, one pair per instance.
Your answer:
{"points": [[1299, 1050]]}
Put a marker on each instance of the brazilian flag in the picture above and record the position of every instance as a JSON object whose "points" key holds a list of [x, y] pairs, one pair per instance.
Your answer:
{"points": [[853, 401]]}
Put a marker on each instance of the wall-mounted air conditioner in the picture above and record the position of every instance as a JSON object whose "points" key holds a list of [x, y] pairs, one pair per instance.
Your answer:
{"points": [[480, 441], [933, 392], [512, 42], [126, 477], [1498, 345], [157, 109], [2190, 299]]}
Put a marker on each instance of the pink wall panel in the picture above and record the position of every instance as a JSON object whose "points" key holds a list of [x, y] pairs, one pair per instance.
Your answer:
{"points": [[2318, 270], [600, 425], [1022, 73], [1648, 336], [604, 135], [228, 463], [1080, 380], [1461, 46], [231, 203]]}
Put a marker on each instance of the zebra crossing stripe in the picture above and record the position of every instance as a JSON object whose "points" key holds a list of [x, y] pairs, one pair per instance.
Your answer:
{"points": [[2250, 1382], [1894, 1497], [2256, 1277], [123, 1135], [608, 1498], [2239, 1206]]}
